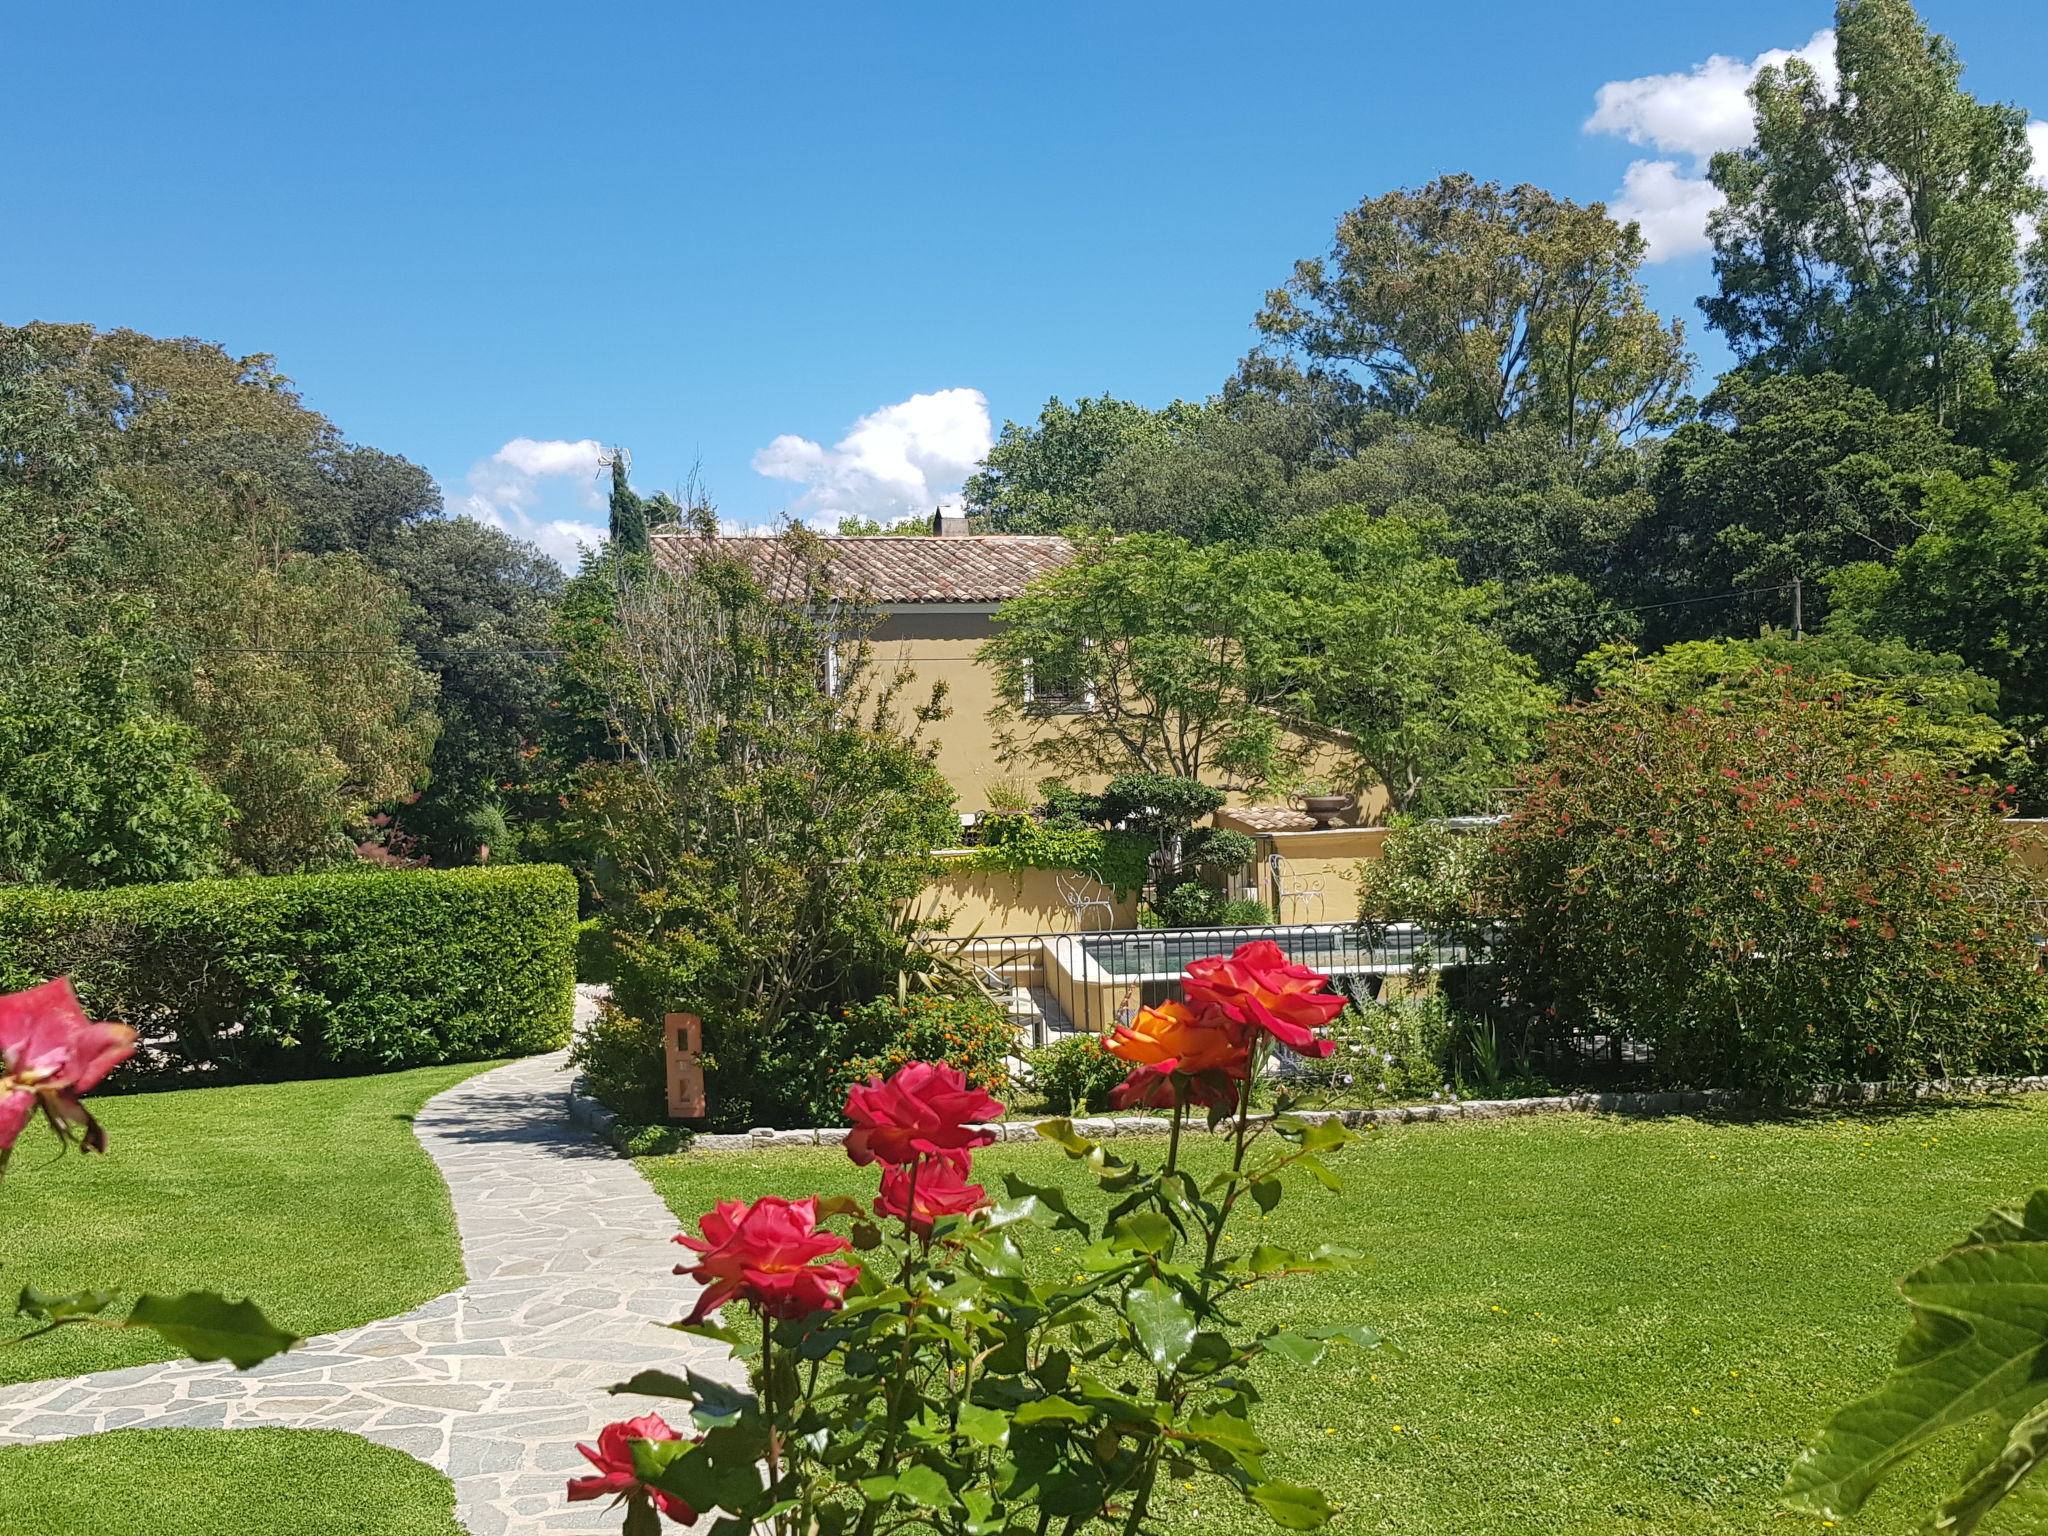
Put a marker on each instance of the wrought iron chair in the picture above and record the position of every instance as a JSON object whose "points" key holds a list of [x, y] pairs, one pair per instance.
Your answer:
{"points": [[1305, 891], [1081, 895]]}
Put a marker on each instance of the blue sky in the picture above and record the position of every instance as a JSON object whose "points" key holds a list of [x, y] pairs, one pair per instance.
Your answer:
{"points": [[795, 236]]}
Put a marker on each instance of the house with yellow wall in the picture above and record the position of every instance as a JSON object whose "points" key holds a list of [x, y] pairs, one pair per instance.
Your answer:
{"points": [[931, 601]]}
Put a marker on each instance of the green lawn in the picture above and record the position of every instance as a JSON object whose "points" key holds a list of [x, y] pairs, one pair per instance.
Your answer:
{"points": [[1603, 1325], [185, 1482], [312, 1198]]}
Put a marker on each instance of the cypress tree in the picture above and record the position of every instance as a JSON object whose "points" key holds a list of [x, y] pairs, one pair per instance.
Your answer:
{"points": [[629, 513]]}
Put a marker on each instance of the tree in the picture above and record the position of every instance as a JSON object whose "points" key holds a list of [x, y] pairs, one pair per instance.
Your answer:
{"points": [[481, 608], [1143, 655], [1974, 584], [1928, 709], [628, 512], [754, 833], [96, 787], [1787, 477], [1391, 651], [1473, 307], [1871, 229], [1045, 477]]}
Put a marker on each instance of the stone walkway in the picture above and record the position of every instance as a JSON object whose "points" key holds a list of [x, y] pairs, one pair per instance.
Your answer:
{"points": [[570, 1269]]}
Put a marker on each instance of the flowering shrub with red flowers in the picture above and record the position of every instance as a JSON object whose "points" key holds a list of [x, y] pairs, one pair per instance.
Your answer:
{"points": [[1760, 892], [51, 1055], [921, 1372]]}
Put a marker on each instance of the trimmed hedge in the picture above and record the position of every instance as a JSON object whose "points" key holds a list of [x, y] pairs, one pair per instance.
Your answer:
{"points": [[305, 975]]}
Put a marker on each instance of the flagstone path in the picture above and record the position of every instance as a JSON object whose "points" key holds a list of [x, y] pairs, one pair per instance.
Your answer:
{"points": [[570, 1269]]}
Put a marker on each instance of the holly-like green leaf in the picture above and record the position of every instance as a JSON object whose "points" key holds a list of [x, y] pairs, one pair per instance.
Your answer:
{"points": [[1974, 1348], [1044, 1410], [711, 1402], [717, 1331], [1164, 1326], [45, 1307], [207, 1326], [1266, 1194], [1294, 1347], [984, 1426], [1315, 1136], [1141, 1232], [1291, 1506], [839, 1205], [1063, 1135], [1231, 1431], [1320, 1173], [1048, 1199]]}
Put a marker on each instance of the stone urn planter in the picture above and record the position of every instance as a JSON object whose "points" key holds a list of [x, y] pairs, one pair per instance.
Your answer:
{"points": [[1327, 808]]}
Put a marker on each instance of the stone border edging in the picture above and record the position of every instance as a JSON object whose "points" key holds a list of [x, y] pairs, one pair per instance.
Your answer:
{"points": [[586, 1111]]}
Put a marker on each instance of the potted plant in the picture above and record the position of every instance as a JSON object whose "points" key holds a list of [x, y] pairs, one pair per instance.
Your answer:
{"points": [[1323, 803]]}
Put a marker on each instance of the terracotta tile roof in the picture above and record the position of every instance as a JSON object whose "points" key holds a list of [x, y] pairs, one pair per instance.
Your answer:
{"points": [[1266, 818], [972, 568]]}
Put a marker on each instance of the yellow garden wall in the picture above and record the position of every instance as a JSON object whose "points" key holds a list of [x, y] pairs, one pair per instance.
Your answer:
{"points": [[990, 901]]}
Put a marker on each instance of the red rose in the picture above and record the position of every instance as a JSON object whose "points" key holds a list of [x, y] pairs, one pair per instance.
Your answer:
{"points": [[762, 1254], [613, 1459], [1260, 987], [1159, 1087], [50, 1053], [926, 1108], [941, 1189]]}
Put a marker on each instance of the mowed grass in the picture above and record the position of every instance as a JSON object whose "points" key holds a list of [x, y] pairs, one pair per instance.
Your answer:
{"points": [[314, 1199], [1598, 1325], [208, 1482]]}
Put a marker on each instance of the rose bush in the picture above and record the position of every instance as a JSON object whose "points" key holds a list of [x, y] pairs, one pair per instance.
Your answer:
{"points": [[946, 1384]]}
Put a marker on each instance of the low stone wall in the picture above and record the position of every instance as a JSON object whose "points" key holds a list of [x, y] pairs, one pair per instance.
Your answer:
{"points": [[586, 1111]]}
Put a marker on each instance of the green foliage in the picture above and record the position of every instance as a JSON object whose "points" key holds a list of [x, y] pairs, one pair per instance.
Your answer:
{"points": [[1474, 307], [875, 1038], [1386, 1052], [1047, 477], [1218, 851], [749, 836], [1929, 710], [296, 976], [1391, 651], [1975, 583], [1120, 860], [628, 529], [1428, 874], [1970, 1356], [1785, 477], [1074, 1075], [181, 505], [1870, 230], [96, 788], [1165, 637], [620, 1057], [1761, 894], [1162, 804]]}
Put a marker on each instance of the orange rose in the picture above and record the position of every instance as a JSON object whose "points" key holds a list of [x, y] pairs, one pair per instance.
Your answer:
{"points": [[1175, 1038]]}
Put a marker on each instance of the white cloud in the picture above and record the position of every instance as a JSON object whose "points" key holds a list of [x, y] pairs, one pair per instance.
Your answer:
{"points": [[1670, 206], [899, 461], [532, 488], [1696, 113]]}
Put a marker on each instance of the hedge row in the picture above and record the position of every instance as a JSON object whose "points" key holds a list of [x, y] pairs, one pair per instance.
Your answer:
{"points": [[302, 975]]}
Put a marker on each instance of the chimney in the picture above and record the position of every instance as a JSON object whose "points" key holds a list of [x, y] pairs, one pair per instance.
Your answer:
{"points": [[950, 521]]}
